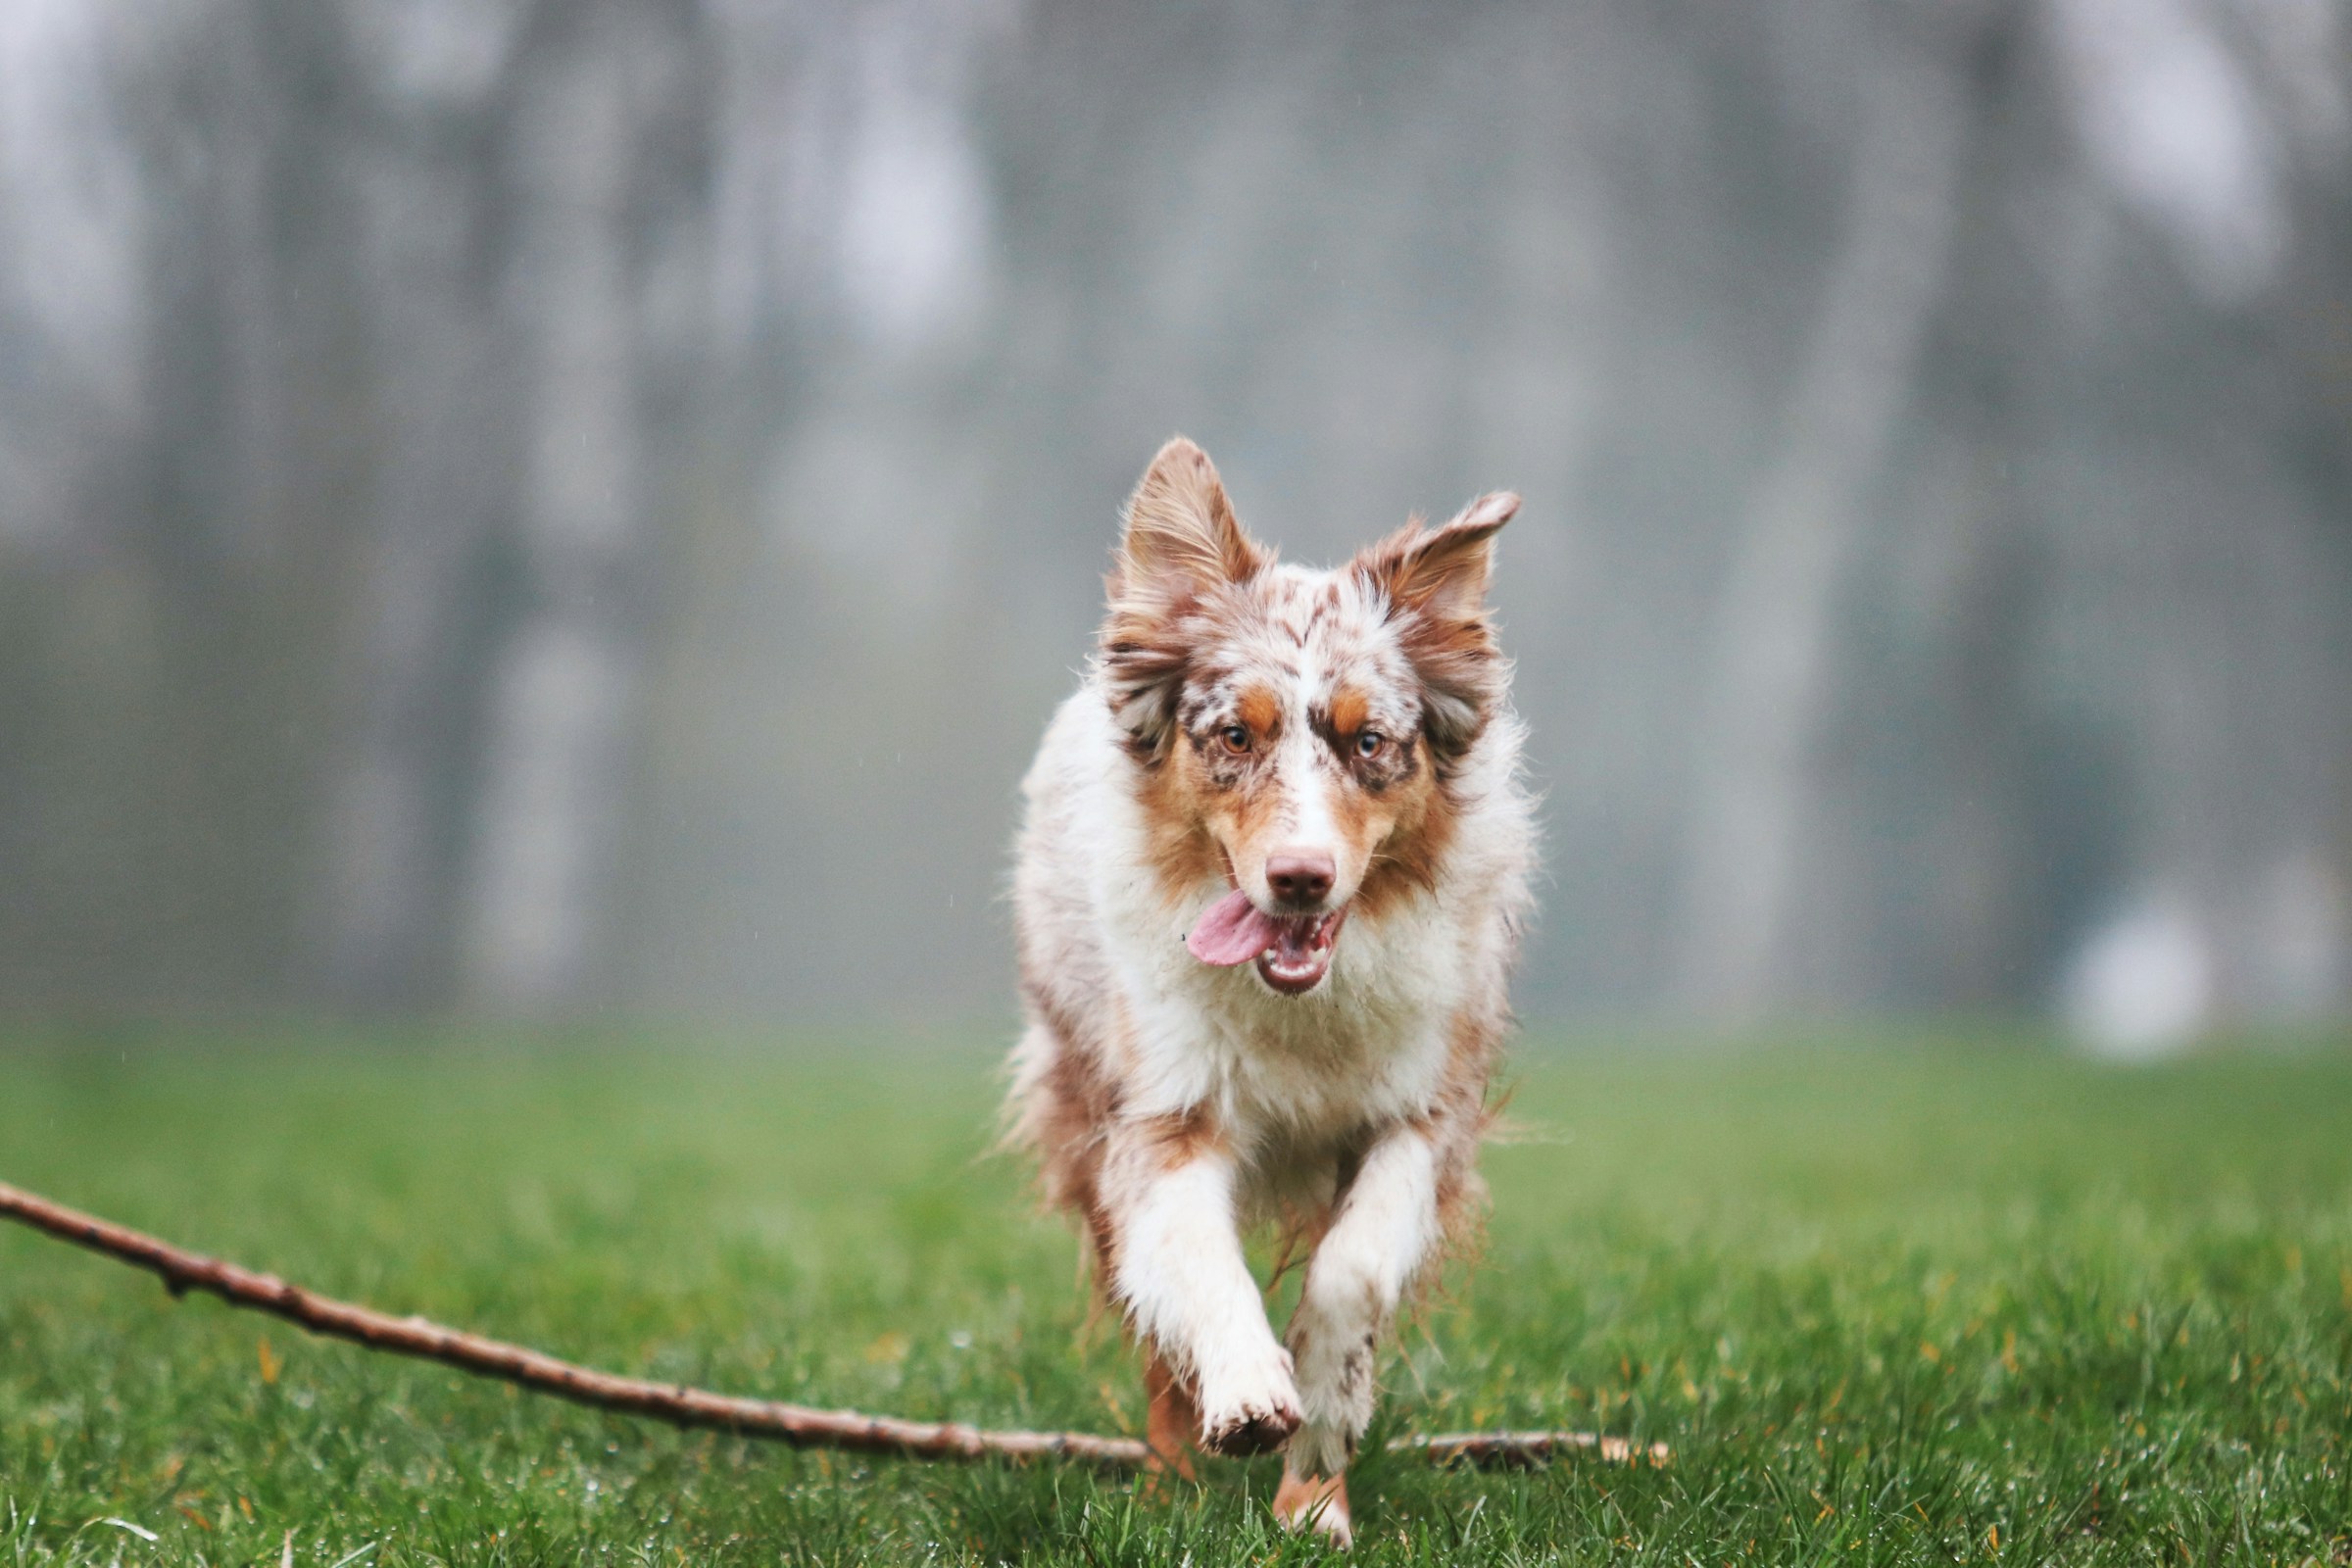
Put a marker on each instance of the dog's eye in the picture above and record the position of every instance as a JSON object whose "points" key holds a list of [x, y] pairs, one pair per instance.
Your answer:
{"points": [[1369, 743], [1235, 739]]}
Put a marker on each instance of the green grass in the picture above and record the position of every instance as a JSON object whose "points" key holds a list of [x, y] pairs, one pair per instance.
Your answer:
{"points": [[1888, 1305]]}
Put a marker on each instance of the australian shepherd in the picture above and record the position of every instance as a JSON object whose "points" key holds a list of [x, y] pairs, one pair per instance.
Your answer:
{"points": [[1270, 882]]}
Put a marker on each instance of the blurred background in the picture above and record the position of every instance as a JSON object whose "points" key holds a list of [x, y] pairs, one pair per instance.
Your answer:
{"points": [[537, 509]]}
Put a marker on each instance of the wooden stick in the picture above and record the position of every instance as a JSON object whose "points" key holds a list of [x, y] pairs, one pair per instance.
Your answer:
{"points": [[799, 1425], [1529, 1448]]}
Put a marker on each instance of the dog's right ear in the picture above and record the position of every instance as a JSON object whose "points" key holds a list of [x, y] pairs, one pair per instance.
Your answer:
{"points": [[1182, 539], [1183, 542]]}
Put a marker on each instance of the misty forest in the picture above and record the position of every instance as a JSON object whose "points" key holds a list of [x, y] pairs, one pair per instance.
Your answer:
{"points": [[547, 509]]}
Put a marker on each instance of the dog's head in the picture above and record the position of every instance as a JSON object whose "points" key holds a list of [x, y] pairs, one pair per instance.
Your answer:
{"points": [[1295, 731]]}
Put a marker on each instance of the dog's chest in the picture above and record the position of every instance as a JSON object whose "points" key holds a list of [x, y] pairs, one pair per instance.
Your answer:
{"points": [[1321, 1073]]}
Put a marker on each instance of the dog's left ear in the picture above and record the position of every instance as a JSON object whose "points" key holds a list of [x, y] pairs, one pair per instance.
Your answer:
{"points": [[1435, 582], [1441, 573]]}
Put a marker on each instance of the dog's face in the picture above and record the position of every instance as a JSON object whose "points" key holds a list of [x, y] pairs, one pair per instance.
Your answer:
{"points": [[1295, 730]]}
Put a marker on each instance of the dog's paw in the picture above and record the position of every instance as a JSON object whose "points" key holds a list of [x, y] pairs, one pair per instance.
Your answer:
{"points": [[1250, 1428], [1250, 1410]]}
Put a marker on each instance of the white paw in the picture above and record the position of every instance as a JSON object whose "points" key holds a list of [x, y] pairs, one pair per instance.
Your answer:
{"points": [[1249, 1409]]}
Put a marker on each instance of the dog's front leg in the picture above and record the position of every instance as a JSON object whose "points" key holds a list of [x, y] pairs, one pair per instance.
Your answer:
{"points": [[1178, 1273], [1386, 1230]]}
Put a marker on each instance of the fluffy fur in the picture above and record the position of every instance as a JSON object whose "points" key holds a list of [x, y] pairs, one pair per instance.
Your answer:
{"points": [[1337, 747]]}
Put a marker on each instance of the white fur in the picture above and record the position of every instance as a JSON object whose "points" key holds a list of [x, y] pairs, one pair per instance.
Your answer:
{"points": [[1188, 1288], [1383, 1235]]}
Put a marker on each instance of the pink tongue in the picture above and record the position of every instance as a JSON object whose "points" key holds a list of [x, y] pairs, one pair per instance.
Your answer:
{"points": [[1231, 932]]}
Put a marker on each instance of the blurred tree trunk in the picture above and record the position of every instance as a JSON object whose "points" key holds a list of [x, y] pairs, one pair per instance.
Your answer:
{"points": [[1771, 686], [173, 663], [428, 602], [548, 823]]}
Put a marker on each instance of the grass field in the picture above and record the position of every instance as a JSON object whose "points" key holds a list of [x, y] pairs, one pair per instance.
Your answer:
{"points": [[1939, 1301]]}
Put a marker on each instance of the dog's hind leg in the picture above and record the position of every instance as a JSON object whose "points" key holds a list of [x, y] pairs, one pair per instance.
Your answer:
{"points": [[1318, 1502], [1170, 1428]]}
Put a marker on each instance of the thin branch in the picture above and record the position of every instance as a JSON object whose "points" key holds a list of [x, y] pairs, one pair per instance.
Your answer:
{"points": [[1530, 1448], [799, 1425]]}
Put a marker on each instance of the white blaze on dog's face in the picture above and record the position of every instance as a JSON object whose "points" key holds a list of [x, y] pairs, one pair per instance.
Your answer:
{"points": [[1295, 730]]}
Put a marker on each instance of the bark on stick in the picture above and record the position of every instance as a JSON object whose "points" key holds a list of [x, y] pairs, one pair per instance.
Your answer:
{"points": [[802, 1426]]}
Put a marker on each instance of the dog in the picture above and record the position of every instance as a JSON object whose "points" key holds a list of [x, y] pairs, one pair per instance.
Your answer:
{"points": [[1268, 891]]}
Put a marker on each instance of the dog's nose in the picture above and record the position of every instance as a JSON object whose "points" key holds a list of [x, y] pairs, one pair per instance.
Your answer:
{"points": [[1300, 876]]}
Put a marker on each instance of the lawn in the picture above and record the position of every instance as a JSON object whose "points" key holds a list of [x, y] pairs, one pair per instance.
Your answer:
{"points": [[1924, 1300]]}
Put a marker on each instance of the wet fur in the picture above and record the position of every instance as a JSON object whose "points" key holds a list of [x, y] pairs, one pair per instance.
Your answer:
{"points": [[1173, 1105]]}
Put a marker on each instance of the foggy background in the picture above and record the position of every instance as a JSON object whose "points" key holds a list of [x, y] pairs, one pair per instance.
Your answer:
{"points": [[544, 509]]}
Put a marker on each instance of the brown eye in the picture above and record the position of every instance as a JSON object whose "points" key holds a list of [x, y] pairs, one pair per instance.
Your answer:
{"points": [[1369, 743], [1235, 739]]}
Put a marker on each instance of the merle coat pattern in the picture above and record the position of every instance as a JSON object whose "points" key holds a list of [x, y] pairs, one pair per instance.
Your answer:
{"points": [[1274, 862]]}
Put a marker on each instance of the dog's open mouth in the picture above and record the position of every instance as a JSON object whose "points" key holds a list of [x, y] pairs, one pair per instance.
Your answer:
{"points": [[1293, 951]]}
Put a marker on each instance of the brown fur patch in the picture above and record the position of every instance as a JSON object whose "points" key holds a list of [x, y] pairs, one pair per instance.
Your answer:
{"points": [[1174, 1421], [1408, 862], [1261, 710], [1063, 1117], [1358, 817], [1181, 851], [1350, 708], [1180, 1138]]}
